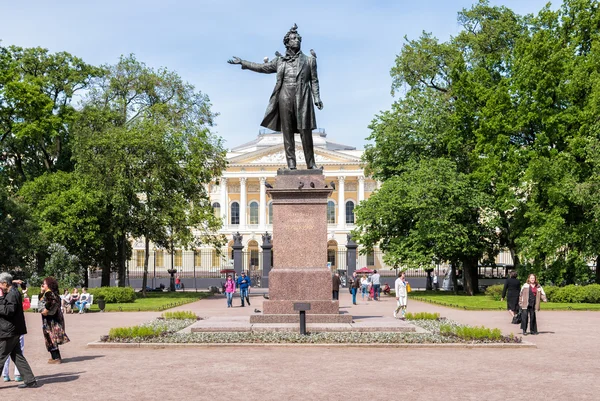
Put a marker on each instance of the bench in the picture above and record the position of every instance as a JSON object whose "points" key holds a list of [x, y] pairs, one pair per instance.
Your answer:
{"points": [[34, 302], [68, 309]]}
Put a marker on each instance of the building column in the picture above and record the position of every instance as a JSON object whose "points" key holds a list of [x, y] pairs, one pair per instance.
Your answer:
{"points": [[224, 201], [341, 203], [361, 189], [243, 203], [262, 205]]}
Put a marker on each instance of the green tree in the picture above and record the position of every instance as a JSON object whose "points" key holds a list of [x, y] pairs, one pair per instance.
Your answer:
{"points": [[64, 267], [144, 141], [70, 212], [36, 110], [513, 102]]}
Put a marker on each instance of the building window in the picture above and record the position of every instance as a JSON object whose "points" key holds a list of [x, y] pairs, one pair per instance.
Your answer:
{"points": [[253, 213], [332, 247], [235, 213], [331, 257], [253, 254], [160, 260], [371, 259], [140, 258], [216, 259], [270, 213], [217, 209], [331, 212], [178, 259], [349, 212], [197, 258]]}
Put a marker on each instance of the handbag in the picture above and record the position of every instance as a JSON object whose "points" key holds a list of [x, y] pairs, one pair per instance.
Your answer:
{"points": [[408, 289], [517, 318]]}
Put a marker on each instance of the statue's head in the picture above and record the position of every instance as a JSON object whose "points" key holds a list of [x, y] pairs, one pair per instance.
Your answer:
{"points": [[292, 39]]}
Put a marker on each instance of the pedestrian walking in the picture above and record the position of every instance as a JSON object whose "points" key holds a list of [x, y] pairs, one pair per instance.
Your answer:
{"points": [[336, 282], [364, 284], [511, 291], [12, 327], [529, 301], [53, 322], [436, 286], [244, 283], [401, 294], [376, 285], [6, 370], [229, 290], [355, 287]]}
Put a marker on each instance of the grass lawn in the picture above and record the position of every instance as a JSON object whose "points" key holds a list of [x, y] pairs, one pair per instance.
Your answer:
{"points": [[483, 302], [154, 301]]}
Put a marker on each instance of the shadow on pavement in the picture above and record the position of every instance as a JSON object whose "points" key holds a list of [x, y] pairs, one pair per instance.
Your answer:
{"points": [[82, 358], [58, 378]]}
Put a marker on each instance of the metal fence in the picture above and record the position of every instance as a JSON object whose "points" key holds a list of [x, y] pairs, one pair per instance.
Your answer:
{"points": [[190, 264], [198, 266]]}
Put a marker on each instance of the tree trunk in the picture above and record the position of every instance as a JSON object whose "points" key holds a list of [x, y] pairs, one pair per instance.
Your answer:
{"points": [[429, 281], [146, 256], [105, 282], [515, 257], [470, 276], [454, 278], [122, 256], [40, 259]]}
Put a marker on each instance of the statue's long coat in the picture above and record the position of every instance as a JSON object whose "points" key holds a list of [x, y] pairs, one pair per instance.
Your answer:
{"points": [[307, 89]]}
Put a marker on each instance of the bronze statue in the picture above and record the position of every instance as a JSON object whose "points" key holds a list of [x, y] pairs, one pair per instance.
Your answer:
{"points": [[291, 108]]}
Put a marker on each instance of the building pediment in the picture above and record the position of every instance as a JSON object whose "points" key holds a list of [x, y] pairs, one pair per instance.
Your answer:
{"points": [[276, 156]]}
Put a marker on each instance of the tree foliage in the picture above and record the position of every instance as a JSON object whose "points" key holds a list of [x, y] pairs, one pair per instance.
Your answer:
{"points": [[512, 101], [133, 160]]}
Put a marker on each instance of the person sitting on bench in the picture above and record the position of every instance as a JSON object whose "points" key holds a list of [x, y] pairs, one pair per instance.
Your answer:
{"points": [[84, 298]]}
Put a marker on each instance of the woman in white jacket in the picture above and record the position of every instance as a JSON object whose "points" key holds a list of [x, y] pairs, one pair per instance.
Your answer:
{"points": [[401, 294]]}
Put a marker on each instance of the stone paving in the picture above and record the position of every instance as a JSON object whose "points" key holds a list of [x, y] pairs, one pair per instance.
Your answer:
{"points": [[563, 367]]}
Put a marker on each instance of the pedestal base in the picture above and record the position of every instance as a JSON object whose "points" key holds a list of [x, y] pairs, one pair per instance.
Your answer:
{"points": [[295, 318]]}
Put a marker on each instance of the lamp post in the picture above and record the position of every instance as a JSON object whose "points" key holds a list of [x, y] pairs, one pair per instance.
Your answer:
{"points": [[154, 274], [172, 270]]}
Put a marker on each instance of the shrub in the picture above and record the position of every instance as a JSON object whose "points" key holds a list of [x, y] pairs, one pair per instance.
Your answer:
{"points": [[571, 294], [180, 315], [141, 332], [422, 316], [592, 293], [551, 291], [471, 333], [494, 291], [114, 295]]}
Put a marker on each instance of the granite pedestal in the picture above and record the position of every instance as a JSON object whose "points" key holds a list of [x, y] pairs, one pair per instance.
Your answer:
{"points": [[300, 272]]}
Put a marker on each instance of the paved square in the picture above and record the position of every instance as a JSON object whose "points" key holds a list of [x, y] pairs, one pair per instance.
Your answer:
{"points": [[564, 366]]}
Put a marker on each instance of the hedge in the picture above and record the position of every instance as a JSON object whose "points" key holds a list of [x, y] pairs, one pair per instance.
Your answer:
{"points": [[494, 291], [114, 295], [575, 294]]}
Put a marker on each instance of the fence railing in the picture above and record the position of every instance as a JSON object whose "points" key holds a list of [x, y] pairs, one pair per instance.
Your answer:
{"points": [[206, 263]]}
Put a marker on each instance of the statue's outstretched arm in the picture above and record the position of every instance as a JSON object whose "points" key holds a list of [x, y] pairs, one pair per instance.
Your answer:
{"points": [[265, 68]]}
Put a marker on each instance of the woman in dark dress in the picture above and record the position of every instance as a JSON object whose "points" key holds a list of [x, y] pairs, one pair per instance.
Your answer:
{"points": [[53, 322], [512, 287]]}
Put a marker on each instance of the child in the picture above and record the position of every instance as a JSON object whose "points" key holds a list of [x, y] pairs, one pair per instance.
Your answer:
{"points": [[371, 292]]}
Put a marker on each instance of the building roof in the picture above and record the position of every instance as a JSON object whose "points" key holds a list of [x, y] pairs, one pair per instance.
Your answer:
{"points": [[268, 139]]}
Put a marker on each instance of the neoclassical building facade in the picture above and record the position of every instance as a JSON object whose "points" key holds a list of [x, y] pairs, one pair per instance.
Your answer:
{"points": [[240, 195], [240, 198]]}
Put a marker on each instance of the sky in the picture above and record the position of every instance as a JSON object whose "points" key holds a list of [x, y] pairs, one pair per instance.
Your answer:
{"points": [[356, 42]]}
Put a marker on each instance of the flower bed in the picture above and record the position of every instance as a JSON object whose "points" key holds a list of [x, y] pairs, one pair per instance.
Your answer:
{"points": [[432, 336]]}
